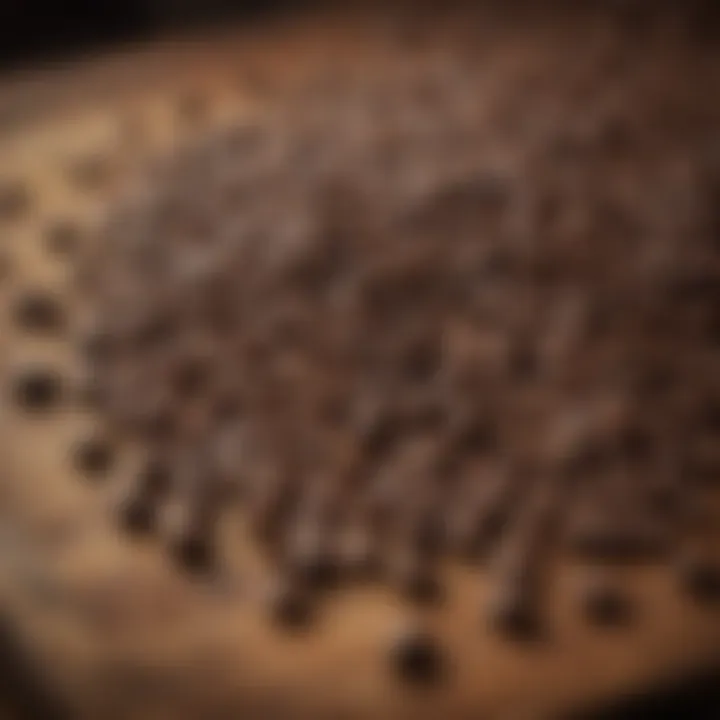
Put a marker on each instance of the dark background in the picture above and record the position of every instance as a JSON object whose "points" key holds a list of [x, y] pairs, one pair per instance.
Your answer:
{"points": [[32, 30]]}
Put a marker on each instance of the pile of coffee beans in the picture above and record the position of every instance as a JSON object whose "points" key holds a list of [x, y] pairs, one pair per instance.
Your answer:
{"points": [[417, 315]]}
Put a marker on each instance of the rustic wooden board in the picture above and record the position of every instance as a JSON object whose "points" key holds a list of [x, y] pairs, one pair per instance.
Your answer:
{"points": [[113, 629]]}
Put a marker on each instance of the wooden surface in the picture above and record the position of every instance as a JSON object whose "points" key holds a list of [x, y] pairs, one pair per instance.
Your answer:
{"points": [[113, 628]]}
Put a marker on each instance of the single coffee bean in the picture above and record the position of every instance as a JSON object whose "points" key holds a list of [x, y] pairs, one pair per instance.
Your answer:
{"points": [[416, 658], [317, 570], [605, 605], [700, 578], [38, 311], [290, 606], [155, 478], [93, 456], [400, 310], [37, 389], [194, 552], [15, 199]]}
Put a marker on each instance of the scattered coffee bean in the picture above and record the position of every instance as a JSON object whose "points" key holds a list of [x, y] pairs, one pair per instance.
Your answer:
{"points": [[38, 311], [93, 456], [369, 309], [513, 615], [15, 199], [137, 516], [37, 388], [700, 577], [417, 658], [194, 553], [605, 605], [290, 606]]}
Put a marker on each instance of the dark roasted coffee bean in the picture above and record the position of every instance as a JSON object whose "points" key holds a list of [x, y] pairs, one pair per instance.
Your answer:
{"points": [[605, 605], [407, 279], [379, 436], [710, 415], [514, 616], [290, 606], [417, 658], [476, 435], [422, 360], [700, 578], [93, 456], [137, 516], [37, 388], [194, 552], [155, 478], [38, 311], [316, 570], [189, 377]]}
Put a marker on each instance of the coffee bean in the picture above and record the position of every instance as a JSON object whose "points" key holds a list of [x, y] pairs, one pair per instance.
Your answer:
{"points": [[38, 311], [93, 456], [416, 658], [514, 616], [523, 363], [315, 569], [476, 435], [420, 585], [37, 388], [700, 578], [381, 433], [63, 238], [137, 516], [189, 377], [605, 605]]}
